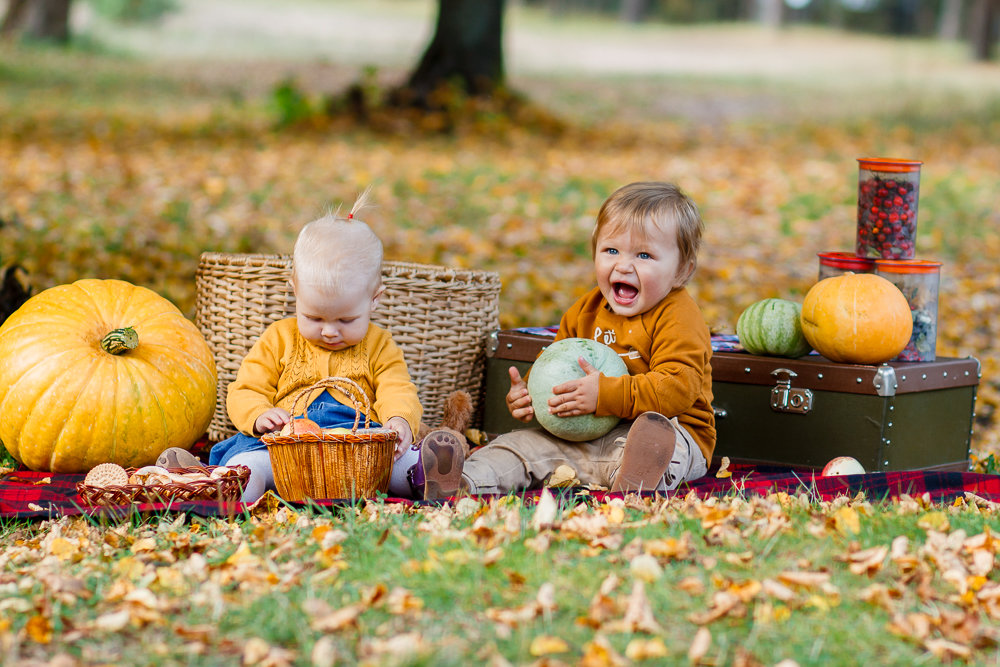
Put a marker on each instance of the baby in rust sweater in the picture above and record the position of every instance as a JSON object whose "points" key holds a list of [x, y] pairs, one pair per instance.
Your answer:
{"points": [[645, 247]]}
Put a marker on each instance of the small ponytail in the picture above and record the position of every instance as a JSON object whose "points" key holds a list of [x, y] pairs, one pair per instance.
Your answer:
{"points": [[360, 203]]}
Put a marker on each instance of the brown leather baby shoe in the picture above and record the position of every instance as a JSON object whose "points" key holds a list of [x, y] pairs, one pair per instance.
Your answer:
{"points": [[649, 447]]}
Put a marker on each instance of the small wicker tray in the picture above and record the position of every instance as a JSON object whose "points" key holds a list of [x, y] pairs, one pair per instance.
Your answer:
{"points": [[333, 465], [227, 488]]}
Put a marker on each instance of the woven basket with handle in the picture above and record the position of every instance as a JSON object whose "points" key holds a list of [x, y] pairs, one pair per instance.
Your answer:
{"points": [[440, 317], [332, 465]]}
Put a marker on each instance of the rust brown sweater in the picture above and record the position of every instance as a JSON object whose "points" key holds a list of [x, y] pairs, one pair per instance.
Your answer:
{"points": [[668, 352]]}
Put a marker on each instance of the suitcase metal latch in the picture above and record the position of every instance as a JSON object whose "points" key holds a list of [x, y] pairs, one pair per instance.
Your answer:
{"points": [[786, 399]]}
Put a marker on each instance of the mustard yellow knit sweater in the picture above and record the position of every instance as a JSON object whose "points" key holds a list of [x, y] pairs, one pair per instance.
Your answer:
{"points": [[282, 362]]}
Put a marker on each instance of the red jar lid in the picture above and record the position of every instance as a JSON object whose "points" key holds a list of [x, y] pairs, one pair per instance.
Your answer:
{"points": [[847, 261], [888, 164], [907, 266]]}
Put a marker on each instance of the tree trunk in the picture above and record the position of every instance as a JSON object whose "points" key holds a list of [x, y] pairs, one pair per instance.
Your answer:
{"points": [[467, 49], [770, 13], [983, 33], [633, 11], [37, 19], [903, 17], [950, 20]]}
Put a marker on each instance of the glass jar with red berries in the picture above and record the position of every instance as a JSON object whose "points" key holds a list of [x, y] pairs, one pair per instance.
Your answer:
{"points": [[918, 280], [837, 263], [888, 190]]}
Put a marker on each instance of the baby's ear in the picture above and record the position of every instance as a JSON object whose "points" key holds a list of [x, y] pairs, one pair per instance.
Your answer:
{"points": [[378, 295], [684, 274]]}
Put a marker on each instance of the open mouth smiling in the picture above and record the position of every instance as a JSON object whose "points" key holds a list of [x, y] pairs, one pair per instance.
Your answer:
{"points": [[624, 293]]}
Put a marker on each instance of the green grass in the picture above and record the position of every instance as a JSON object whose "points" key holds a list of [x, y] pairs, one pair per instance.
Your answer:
{"points": [[464, 573]]}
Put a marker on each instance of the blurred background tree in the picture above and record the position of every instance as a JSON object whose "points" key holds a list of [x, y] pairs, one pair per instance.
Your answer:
{"points": [[49, 20], [466, 49], [43, 20]]}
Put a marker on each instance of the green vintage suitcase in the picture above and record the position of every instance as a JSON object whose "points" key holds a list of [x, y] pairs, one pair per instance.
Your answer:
{"points": [[894, 416], [503, 350], [804, 412]]}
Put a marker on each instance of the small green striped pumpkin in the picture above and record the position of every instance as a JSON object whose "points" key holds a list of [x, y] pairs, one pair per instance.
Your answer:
{"points": [[772, 327]]}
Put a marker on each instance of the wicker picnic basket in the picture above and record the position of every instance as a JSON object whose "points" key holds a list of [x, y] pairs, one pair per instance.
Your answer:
{"points": [[440, 317], [332, 465], [225, 488]]}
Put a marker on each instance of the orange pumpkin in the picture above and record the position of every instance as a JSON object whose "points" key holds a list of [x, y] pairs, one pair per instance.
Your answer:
{"points": [[856, 318], [101, 371]]}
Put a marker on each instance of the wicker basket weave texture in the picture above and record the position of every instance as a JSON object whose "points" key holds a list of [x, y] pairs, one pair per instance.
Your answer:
{"points": [[315, 466], [227, 488], [440, 317]]}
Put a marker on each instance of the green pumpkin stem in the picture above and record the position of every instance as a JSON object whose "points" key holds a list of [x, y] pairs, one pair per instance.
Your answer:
{"points": [[119, 341]]}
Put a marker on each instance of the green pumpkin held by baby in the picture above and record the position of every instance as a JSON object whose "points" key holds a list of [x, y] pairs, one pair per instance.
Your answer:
{"points": [[559, 363]]}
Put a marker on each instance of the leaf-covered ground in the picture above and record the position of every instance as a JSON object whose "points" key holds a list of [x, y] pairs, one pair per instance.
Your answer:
{"points": [[778, 580]]}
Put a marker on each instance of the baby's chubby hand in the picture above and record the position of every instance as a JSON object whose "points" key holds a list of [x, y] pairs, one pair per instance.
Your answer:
{"points": [[577, 397], [271, 420], [402, 428], [518, 400]]}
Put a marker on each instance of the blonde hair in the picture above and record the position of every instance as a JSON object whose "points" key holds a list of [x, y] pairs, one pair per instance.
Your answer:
{"points": [[332, 252], [647, 208]]}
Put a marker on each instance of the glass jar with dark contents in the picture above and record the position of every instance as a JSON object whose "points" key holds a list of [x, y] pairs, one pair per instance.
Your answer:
{"points": [[888, 192], [919, 281], [836, 263]]}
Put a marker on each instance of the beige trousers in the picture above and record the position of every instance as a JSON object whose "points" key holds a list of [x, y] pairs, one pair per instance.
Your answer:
{"points": [[525, 459]]}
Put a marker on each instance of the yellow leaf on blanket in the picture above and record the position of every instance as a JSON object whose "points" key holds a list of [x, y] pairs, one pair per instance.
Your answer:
{"points": [[724, 469], [562, 477], [475, 437], [266, 506]]}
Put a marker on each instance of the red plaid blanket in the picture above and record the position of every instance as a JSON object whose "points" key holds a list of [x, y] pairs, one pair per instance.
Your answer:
{"points": [[46, 495]]}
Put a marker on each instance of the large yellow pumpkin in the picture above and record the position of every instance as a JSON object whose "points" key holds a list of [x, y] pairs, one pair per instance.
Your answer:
{"points": [[856, 318], [101, 371]]}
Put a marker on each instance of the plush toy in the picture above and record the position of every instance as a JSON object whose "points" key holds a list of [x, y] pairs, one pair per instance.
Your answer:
{"points": [[456, 417]]}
